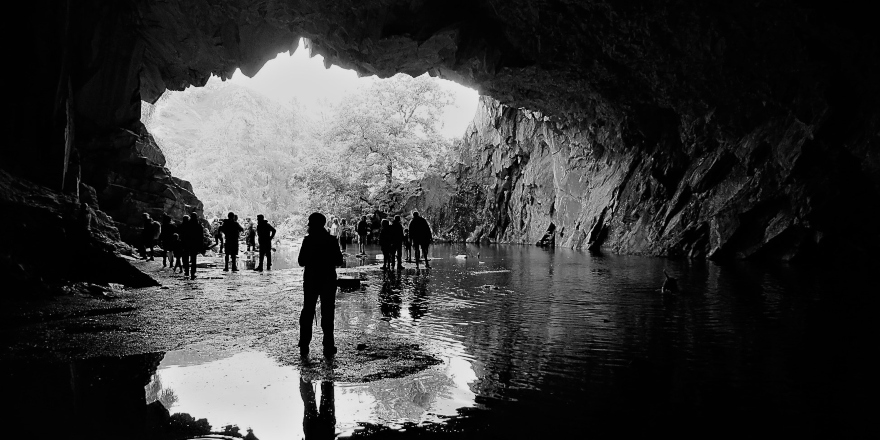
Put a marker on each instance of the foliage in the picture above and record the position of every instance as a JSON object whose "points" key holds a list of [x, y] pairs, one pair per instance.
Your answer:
{"points": [[247, 154], [392, 127]]}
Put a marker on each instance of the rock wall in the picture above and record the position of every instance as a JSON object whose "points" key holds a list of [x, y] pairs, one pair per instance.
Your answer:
{"points": [[663, 184], [691, 127], [127, 171], [52, 241]]}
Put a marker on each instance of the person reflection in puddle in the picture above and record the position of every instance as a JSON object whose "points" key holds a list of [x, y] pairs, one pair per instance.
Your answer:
{"points": [[319, 255], [318, 423]]}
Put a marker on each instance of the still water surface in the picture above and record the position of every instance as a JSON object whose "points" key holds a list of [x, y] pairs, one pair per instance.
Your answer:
{"points": [[539, 342]]}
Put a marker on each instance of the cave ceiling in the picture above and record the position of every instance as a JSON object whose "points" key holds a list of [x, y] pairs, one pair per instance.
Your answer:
{"points": [[563, 58]]}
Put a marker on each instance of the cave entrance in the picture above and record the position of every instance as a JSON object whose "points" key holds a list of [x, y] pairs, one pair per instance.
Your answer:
{"points": [[302, 136]]}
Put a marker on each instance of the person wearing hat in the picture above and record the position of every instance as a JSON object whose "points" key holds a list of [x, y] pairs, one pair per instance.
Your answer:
{"points": [[319, 255]]}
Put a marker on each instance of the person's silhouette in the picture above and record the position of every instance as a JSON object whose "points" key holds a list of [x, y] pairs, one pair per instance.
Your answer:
{"points": [[319, 423], [362, 229], [420, 233], [319, 255], [266, 233], [231, 230]]}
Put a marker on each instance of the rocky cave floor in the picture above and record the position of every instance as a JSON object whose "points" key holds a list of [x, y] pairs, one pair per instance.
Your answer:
{"points": [[221, 311]]}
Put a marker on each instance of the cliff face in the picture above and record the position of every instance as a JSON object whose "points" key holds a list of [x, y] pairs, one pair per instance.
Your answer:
{"points": [[661, 184]]}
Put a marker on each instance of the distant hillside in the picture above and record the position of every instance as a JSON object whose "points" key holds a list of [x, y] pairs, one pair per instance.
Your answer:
{"points": [[237, 147]]}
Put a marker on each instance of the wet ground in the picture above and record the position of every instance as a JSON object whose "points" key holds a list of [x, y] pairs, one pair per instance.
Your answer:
{"points": [[491, 342]]}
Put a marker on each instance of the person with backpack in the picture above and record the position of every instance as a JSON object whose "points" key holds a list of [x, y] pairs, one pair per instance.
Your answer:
{"points": [[320, 256]]}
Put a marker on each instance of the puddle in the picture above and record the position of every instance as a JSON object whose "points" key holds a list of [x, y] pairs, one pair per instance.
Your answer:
{"points": [[252, 390]]}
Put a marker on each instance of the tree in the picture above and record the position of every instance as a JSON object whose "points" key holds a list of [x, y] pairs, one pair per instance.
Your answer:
{"points": [[392, 127]]}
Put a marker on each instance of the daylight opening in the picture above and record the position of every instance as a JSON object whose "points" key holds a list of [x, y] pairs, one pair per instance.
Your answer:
{"points": [[299, 138]]}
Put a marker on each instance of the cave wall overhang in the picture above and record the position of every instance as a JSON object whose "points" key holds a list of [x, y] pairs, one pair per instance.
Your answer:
{"points": [[656, 70]]}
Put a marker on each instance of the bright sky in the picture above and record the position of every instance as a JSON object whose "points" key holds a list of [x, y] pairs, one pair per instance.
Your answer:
{"points": [[298, 76]]}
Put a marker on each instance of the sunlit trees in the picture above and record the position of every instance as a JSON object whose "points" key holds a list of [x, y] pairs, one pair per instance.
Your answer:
{"points": [[391, 129]]}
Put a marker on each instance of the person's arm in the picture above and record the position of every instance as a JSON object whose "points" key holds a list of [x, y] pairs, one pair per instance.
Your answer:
{"points": [[271, 232], [303, 252]]}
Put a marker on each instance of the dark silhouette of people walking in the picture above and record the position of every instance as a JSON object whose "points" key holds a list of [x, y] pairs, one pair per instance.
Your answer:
{"points": [[319, 255], [362, 229], [397, 241], [231, 230], [193, 243], [266, 233], [150, 234], [166, 240], [319, 423], [386, 242], [420, 233]]}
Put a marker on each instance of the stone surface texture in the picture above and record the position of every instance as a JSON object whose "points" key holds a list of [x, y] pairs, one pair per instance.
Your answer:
{"points": [[775, 192], [700, 128]]}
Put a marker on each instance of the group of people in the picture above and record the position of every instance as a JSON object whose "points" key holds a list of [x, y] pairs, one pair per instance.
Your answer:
{"points": [[231, 230], [394, 239], [319, 255], [183, 241]]}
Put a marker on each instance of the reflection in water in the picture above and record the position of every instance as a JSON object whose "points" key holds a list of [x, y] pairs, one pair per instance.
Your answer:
{"points": [[318, 424], [536, 343]]}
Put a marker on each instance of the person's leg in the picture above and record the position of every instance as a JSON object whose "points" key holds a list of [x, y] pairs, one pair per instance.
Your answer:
{"points": [[234, 263], [192, 265], [399, 252], [268, 256], [306, 316], [328, 309], [262, 254], [226, 262], [424, 247], [185, 263], [416, 249]]}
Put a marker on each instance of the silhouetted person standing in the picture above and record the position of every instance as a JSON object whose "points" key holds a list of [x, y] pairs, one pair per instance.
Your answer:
{"points": [[149, 235], [420, 233], [407, 245], [251, 238], [231, 230], [218, 235], [266, 233], [343, 235], [318, 423], [165, 240], [397, 241], [183, 230], [362, 229], [193, 242], [386, 242], [319, 255]]}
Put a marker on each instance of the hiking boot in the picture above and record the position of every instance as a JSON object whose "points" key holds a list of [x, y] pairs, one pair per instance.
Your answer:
{"points": [[192, 277], [225, 269], [329, 351], [259, 269], [304, 351], [234, 268]]}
